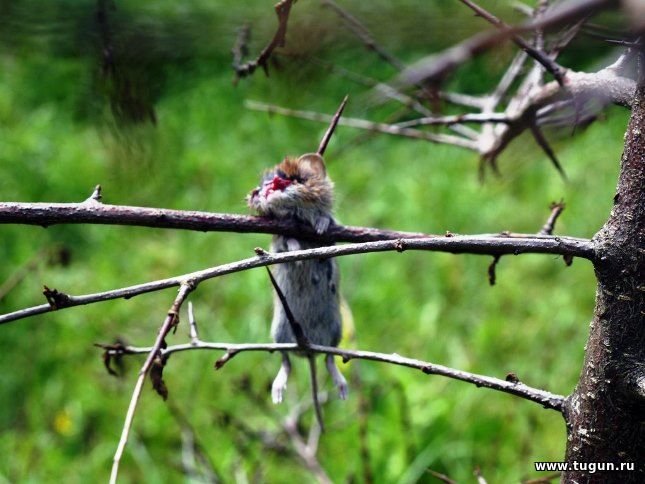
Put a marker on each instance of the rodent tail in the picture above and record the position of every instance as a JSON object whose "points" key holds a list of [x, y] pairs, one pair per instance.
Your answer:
{"points": [[314, 391]]}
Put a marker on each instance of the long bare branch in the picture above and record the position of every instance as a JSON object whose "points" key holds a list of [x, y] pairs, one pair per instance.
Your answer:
{"points": [[46, 214], [171, 320], [392, 129], [494, 244], [544, 398]]}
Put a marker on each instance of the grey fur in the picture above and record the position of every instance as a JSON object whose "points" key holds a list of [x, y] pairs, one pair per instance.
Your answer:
{"points": [[311, 287]]}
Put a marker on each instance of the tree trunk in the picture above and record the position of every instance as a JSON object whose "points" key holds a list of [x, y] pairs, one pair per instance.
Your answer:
{"points": [[606, 413]]}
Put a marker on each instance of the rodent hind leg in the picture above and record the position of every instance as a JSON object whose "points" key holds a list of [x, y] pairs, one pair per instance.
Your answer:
{"points": [[280, 383], [337, 377]]}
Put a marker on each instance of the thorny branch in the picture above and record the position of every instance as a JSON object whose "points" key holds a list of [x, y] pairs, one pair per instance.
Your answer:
{"points": [[47, 214], [437, 67], [574, 98], [556, 209], [535, 105], [544, 398], [548, 63], [494, 244], [547, 229]]}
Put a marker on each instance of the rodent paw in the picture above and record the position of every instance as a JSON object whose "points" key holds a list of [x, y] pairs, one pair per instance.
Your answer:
{"points": [[322, 224], [277, 393], [279, 385]]}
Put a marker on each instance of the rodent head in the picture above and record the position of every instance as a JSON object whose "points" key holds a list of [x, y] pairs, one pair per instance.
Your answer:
{"points": [[296, 188]]}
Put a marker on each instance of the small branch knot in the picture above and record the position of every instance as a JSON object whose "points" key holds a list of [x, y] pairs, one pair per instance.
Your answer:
{"points": [[512, 377], [260, 252], [96, 196], [556, 209], [55, 298], [225, 358]]}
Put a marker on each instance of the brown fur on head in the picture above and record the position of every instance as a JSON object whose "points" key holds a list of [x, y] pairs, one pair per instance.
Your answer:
{"points": [[296, 188]]}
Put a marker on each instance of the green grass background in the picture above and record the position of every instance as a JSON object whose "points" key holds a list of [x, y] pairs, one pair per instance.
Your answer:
{"points": [[61, 413]]}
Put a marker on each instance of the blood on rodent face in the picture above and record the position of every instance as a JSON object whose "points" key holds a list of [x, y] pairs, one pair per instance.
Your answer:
{"points": [[277, 184], [280, 183]]}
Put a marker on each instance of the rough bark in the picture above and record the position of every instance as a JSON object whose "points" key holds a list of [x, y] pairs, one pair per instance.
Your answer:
{"points": [[606, 413]]}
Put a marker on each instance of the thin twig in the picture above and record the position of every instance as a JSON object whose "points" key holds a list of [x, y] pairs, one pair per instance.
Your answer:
{"points": [[556, 209], [507, 80], [492, 275], [544, 398], [538, 34], [476, 118], [171, 320], [566, 37], [282, 9], [192, 324], [96, 196], [493, 244], [332, 126], [296, 327], [544, 144], [364, 124], [240, 48], [47, 214], [462, 99], [441, 477]]}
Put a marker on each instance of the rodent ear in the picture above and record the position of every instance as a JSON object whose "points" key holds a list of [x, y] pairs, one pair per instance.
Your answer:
{"points": [[313, 163]]}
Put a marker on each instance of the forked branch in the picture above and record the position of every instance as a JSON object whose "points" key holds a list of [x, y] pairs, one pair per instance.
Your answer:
{"points": [[544, 398], [282, 9], [171, 320]]}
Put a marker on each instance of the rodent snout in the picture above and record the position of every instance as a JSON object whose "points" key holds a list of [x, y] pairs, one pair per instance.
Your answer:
{"points": [[276, 185]]}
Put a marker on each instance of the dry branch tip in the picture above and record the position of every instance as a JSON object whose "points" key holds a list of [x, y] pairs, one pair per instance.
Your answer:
{"points": [[492, 275], [332, 127]]}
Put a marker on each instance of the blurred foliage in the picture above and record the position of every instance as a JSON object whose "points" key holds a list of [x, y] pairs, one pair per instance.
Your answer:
{"points": [[158, 123]]}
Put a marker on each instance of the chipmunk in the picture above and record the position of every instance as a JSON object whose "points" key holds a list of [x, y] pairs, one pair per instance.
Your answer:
{"points": [[299, 189]]}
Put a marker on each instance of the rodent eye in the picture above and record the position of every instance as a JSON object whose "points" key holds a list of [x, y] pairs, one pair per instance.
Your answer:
{"points": [[281, 174], [296, 179]]}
